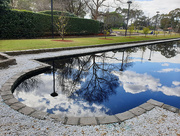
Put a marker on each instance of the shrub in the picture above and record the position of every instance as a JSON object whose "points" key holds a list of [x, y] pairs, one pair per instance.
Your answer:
{"points": [[26, 24], [131, 29], [145, 30], [23, 24]]}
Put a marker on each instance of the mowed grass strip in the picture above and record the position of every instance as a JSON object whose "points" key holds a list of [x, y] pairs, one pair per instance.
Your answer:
{"points": [[28, 44]]}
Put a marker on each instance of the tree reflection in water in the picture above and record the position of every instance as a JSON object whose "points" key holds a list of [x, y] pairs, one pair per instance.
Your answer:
{"points": [[28, 85], [90, 77], [107, 78]]}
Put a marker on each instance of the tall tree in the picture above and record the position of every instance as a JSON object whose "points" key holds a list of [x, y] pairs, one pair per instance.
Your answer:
{"points": [[77, 7], [114, 19], [165, 22], [40, 5], [175, 19], [94, 7], [24, 4]]}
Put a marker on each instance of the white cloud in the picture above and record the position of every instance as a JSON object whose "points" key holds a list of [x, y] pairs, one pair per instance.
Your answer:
{"points": [[169, 70], [136, 83], [70, 107], [165, 6], [176, 83], [165, 65], [149, 7], [171, 91]]}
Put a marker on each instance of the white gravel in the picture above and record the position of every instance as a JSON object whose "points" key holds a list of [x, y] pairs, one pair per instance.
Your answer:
{"points": [[156, 122]]}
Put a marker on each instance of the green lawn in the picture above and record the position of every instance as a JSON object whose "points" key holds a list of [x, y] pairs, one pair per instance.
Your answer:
{"points": [[139, 31], [26, 44]]}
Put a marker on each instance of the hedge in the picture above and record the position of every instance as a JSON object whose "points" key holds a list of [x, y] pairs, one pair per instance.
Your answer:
{"points": [[27, 24]]}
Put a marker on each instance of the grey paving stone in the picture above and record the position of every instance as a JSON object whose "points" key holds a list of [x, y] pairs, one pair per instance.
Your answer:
{"points": [[125, 115], [170, 108], [26, 110], [39, 115], [88, 121], [17, 106], [137, 111], [8, 92], [11, 101], [6, 97], [107, 119], [10, 81], [57, 118], [147, 106], [73, 121], [6, 88], [154, 102]]}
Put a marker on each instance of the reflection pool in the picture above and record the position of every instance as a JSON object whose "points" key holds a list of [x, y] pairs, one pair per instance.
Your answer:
{"points": [[106, 83]]}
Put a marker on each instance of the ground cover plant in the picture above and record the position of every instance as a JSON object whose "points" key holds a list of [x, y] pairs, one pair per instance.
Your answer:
{"points": [[26, 44]]}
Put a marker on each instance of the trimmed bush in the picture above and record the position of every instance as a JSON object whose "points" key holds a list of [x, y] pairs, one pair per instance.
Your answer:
{"points": [[23, 24], [26, 24], [79, 26]]}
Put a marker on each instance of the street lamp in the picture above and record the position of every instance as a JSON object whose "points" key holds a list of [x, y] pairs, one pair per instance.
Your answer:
{"points": [[52, 18], [156, 21], [129, 3]]}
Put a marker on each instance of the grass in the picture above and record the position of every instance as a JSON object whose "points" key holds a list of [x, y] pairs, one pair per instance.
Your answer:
{"points": [[27, 44], [139, 31]]}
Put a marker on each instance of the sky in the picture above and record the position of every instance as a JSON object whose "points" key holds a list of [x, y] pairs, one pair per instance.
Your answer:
{"points": [[150, 7], [163, 6]]}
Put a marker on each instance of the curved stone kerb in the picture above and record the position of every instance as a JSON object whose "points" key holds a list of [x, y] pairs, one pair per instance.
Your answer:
{"points": [[9, 99]]}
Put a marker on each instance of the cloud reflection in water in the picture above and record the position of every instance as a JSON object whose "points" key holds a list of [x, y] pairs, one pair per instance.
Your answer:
{"points": [[92, 85]]}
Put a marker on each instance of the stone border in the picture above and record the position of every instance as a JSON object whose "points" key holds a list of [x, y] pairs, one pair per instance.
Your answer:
{"points": [[7, 60], [9, 99], [34, 51]]}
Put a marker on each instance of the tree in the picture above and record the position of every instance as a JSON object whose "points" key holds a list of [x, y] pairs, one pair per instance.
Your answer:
{"points": [[131, 29], [24, 4], [175, 19], [77, 7], [114, 19], [61, 24], [165, 22], [94, 7], [145, 30]]}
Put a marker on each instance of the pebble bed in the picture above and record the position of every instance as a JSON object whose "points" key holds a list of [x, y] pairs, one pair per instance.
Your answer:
{"points": [[156, 122]]}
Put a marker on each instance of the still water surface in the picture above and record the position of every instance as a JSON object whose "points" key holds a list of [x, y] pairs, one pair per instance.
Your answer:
{"points": [[106, 83]]}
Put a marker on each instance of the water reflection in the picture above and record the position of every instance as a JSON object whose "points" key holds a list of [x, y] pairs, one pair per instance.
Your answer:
{"points": [[106, 83], [54, 94]]}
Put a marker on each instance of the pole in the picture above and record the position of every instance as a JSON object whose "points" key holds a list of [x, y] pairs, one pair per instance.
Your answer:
{"points": [[127, 17], [156, 22], [52, 18]]}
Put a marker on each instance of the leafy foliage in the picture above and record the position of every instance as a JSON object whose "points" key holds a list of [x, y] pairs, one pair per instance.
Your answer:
{"points": [[23, 24], [61, 25], [4, 5], [27, 24], [145, 30], [131, 29]]}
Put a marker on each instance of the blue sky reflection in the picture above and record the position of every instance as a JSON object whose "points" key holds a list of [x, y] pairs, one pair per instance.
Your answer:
{"points": [[107, 83]]}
